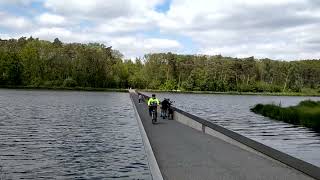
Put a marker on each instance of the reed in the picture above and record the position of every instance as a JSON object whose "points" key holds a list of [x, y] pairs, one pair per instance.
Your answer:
{"points": [[306, 113]]}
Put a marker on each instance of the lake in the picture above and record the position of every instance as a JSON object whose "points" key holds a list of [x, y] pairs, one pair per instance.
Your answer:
{"points": [[69, 135], [233, 112]]}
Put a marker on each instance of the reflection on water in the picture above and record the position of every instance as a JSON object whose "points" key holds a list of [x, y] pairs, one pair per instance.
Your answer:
{"points": [[233, 112], [69, 135]]}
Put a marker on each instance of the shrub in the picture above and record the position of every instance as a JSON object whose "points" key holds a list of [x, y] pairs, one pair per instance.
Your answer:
{"points": [[69, 82], [257, 108], [169, 85], [154, 84], [186, 85], [36, 82], [309, 103], [245, 88], [55, 83], [306, 113]]}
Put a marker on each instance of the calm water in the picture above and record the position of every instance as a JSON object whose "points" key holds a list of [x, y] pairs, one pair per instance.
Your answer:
{"points": [[233, 112], [69, 135]]}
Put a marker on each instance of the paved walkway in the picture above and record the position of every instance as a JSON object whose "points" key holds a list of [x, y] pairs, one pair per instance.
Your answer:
{"points": [[184, 153]]}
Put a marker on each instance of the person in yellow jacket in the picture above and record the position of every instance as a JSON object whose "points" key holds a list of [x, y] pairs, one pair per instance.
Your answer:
{"points": [[153, 103]]}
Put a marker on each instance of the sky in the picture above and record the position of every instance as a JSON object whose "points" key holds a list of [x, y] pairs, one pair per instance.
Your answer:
{"points": [[276, 29]]}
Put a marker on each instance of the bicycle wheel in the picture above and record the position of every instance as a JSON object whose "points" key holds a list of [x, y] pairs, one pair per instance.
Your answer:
{"points": [[170, 115], [164, 114], [153, 116]]}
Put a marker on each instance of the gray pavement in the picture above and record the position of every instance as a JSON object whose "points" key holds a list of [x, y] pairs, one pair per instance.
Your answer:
{"points": [[184, 153]]}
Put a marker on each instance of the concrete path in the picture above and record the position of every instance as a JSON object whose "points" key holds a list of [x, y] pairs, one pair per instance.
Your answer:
{"points": [[184, 153]]}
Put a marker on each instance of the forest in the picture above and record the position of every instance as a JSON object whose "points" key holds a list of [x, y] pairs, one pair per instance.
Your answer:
{"points": [[30, 62]]}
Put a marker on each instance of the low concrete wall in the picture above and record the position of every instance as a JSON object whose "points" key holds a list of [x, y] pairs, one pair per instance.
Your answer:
{"points": [[153, 165], [207, 130], [243, 142], [187, 121]]}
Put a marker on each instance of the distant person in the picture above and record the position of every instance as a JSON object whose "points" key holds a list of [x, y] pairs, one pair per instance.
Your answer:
{"points": [[153, 103], [140, 98], [164, 107]]}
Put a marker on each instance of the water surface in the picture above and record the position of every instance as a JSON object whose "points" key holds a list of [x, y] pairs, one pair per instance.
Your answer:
{"points": [[69, 135]]}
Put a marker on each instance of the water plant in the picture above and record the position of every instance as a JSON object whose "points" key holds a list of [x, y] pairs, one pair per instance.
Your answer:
{"points": [[306, 113]]}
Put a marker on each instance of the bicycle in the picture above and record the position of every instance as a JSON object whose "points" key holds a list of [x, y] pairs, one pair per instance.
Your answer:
{"points": [[164, 113], [154, 113], [170, 111], [154, 116], [170, 114]]}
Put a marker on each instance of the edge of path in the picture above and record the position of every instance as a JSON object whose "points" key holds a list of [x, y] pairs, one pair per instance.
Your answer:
{"points": [[153, 164]]}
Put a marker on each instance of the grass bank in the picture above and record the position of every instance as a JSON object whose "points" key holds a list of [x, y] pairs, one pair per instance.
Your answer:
{"points": [[238, 93], [306, 113], [65, 88]]}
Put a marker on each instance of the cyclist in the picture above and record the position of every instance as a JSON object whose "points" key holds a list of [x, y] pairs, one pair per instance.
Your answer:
{"points": [[153, 103]]}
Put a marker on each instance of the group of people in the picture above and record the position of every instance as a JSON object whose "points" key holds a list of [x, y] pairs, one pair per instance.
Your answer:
{"points": [[154, 102]]}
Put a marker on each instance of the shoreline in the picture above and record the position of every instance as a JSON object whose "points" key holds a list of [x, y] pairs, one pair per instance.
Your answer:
{"points": [[234, 93], [65, 88], [159, 91]]}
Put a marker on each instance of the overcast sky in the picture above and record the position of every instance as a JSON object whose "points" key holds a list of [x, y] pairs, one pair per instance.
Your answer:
{"points": [[277, 29]]}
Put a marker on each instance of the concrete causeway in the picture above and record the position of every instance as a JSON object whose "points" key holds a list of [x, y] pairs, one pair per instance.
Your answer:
{"points": [[185, 153]]}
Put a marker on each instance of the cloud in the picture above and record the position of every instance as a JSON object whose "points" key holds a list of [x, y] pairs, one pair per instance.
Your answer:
{"points": [[281, 29], [51, 19], [16, 2], [124, 25], [13, 22], [110, 17], [51, 33], [133, 46], [90, 9], [101, 9], [246, 27], [120, 23], [236, 14]]}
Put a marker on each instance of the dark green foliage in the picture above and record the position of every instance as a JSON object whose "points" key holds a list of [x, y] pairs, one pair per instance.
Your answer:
{"points": [[57, 42], [217, 73], [306, 113], [69, 82], [309, 103], [11, 69], [36, 63], [56, 83], [169, 85]]}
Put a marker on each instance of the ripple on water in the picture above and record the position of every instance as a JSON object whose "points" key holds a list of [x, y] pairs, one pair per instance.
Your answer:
{"points": [[69, 135]]}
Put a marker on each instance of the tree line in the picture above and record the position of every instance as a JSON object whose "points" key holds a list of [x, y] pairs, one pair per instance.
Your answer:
{"points": [[33, 62], [218, 73], [38, 63]]}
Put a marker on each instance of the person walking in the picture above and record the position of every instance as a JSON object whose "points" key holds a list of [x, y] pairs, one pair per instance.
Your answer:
{"points": [[140, 98], [164, 108]]}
